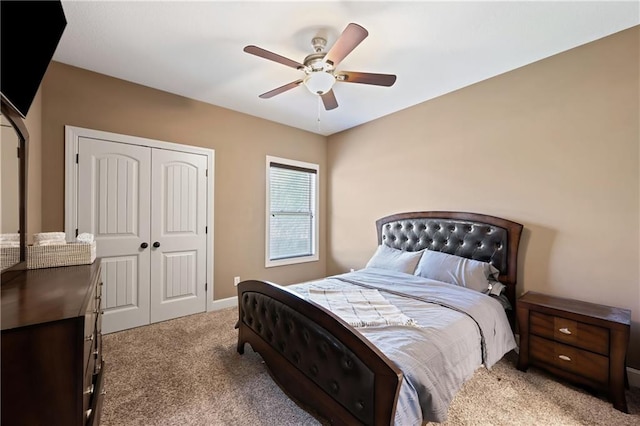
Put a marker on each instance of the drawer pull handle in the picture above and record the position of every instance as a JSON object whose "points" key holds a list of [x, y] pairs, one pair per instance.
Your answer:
{"points": [[89, 390], [96, 353], [104, 392], [564, 330], [564, 357], [89, 338]]}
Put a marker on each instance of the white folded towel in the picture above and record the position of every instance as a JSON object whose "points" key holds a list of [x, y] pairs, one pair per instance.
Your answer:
{"points": [[50, 236], [49, 243], [10, 237], [360, 307], [4, 244], [85, 238]]}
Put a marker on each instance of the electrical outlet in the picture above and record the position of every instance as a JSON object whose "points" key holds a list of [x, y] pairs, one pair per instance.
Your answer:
{"points": [[236, 281]]}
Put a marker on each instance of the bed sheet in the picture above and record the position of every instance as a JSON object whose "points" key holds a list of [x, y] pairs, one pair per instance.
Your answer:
{"points": [[458, 330]]}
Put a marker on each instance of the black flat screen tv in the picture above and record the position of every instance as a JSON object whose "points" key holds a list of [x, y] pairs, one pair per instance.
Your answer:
{"points": [[29, 35]]}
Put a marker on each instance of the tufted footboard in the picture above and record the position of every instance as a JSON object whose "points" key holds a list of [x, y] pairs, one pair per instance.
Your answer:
{"points": [[316, 357]]}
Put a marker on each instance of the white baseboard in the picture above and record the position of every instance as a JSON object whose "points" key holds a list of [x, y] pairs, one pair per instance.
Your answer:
{"points": [[634, 377], [229, 302]]}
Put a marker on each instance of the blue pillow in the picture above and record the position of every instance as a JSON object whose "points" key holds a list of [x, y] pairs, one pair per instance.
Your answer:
{"points": [[386, 257], [457, 270]]}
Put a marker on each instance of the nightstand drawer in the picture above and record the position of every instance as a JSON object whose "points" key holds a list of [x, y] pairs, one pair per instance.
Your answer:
{"points": [[574, 360], [585, 336]]}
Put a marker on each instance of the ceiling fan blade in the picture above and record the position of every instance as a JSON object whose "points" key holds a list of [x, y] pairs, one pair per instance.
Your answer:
{"points": [[348, 40], [288, 86], [367, 78], [329, 100], [258, 51]]}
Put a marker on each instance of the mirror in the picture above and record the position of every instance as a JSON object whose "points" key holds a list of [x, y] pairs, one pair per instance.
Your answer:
{"points": [[13, 139], [9, 191]]}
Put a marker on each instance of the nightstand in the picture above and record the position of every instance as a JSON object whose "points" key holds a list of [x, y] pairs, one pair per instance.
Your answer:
{"points": [[582, 342]]}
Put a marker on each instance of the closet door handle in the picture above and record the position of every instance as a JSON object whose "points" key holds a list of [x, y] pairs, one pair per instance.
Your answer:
{"points": [[156, 244], [144, 245]]}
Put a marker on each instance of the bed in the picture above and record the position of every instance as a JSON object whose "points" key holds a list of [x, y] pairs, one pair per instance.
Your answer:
{"points": [[401, 373]]}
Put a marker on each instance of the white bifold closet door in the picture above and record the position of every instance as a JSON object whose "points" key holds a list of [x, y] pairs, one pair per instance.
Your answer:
{"points": [[146, 208], [178, 208]]}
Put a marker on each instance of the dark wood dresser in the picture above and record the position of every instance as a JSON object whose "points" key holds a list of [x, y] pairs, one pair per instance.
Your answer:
{"points": [[52, 366], [583, 342]]}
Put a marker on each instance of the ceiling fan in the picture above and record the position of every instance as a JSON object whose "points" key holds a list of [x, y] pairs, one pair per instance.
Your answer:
{"points": [[320, 66]]}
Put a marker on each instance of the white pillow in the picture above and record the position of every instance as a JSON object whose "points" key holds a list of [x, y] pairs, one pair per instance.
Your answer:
{"points": [[386, 257], [456, 270]]}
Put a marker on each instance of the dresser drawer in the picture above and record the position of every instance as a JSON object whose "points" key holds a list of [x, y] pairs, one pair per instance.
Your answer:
{"points": [[584, 363], [94, 411], [89, 337], [89, 392], [98, 298], [97, 354], [90, 368], [92, 371], [99, 322], [575, 333]]}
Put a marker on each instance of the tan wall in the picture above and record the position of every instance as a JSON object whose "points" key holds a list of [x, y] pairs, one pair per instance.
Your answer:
{"points": [[72, 96], [553, 145]]}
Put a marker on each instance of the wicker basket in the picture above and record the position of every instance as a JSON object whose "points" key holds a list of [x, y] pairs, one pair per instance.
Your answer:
{"points": [[60, 255], [9, 256]]}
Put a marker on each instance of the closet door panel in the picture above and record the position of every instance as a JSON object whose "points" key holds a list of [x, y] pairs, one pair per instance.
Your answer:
{"points": [[114, 205], [178, 226]]}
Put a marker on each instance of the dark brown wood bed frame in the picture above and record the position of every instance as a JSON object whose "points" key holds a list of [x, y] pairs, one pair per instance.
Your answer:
{"points": [[327, 365]]}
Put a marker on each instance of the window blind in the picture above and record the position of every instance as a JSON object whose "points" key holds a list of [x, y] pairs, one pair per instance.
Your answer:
{"points": [[292, 202]]}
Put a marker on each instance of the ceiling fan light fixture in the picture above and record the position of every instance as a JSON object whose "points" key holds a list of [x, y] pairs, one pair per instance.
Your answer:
{"points": [[319, 82]]}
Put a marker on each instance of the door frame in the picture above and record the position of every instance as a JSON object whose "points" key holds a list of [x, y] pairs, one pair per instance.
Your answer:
{"points": [[72, 135]]}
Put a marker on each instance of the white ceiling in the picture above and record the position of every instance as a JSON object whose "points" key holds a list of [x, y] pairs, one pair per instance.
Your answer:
{"points": [[194, 48]]}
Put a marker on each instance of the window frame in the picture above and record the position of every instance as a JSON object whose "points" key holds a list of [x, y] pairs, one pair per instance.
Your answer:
{"points": [[268, 263]]}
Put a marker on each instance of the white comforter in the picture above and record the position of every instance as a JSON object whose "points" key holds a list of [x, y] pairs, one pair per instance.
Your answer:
{"points": [[458, 331]]}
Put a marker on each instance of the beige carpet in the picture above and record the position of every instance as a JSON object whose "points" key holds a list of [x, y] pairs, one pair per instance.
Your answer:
{"points": [[187, 372]]}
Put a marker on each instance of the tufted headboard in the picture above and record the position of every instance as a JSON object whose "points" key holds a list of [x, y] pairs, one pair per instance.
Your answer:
{"points": [[471, 235]]}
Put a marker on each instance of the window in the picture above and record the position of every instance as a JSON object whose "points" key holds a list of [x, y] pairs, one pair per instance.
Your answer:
{"points": [[292, 204]]}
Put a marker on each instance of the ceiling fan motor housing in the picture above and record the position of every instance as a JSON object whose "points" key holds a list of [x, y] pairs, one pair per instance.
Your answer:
{"points": [[318, 44], [315, 61]]}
